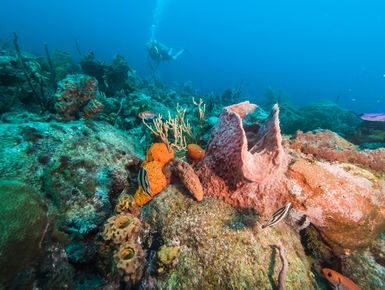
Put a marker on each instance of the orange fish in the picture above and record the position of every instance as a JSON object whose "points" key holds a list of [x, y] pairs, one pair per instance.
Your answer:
{"points": [[146, 115], [338, 280]]}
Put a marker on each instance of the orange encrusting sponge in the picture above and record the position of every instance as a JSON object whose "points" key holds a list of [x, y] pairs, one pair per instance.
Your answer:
{"points": [[159, 152], [157, 181], [194, 153]]}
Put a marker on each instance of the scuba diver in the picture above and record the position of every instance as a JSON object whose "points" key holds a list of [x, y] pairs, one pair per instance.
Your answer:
{"points": [[159, 52]]}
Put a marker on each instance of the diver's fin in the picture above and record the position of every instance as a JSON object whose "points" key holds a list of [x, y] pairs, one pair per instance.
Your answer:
{"points": [[178, 54]]}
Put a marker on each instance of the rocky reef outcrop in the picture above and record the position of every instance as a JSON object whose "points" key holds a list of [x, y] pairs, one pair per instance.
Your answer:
{"points": [[76, 170], [23, 224], [344, 201], [218, 247]]}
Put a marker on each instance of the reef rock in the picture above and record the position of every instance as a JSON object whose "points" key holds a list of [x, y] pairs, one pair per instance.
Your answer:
{"points": [[367, 268], [242, 173], [329, 146], [219, 248], [339, 188], [23, 222], [345, 202]]}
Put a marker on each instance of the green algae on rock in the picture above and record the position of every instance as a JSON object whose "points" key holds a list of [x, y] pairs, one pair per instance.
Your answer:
{"points": [[213, 253], [23, 221]]}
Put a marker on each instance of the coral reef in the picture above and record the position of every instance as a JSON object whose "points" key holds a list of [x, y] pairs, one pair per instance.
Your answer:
{"points": [[329, 146], [126, 203], [328, 115], [368, 132], [84, 215], [23, 222], [323, 114], [167, 258], [340, 201], [219, 247], [84, 169], [63, 64], [240, 175], [111, 78], [24, 85], [69, 163], [75, 98], [364, 269], [56, 268]]}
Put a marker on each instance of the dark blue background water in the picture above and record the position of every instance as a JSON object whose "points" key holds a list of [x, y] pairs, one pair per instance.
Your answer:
{"points": [[310, 49]]}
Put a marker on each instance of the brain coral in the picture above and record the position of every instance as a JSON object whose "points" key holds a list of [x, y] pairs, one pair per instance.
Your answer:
{"points": [[121, 228]]}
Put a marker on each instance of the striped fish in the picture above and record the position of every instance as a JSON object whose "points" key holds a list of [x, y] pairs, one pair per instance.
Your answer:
{"points": [[279, 215], [143, 181]]}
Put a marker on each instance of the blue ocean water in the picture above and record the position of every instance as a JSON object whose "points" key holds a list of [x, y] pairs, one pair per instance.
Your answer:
{"points": [[310, 49]]}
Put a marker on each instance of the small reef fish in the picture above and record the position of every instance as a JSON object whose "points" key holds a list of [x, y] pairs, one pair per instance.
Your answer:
{"points": [[146, 115], [379, 117], [338, 280], [143, 181], [279, 215]]}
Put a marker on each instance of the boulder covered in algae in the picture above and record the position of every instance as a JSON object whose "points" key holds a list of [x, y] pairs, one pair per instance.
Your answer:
{"points": [[220, 247], [78, 168]]}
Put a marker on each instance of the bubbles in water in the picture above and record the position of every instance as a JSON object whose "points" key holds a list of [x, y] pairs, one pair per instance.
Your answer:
{"points": [[160, 7]]}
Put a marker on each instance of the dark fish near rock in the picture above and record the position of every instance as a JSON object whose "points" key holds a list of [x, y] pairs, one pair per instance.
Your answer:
{"points": [[378, 117], [277, 216], [143, 181]]}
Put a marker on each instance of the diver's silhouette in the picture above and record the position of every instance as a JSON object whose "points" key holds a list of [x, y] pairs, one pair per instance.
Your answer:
{"points": [[159, 52]]}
